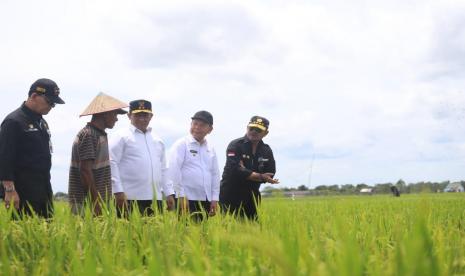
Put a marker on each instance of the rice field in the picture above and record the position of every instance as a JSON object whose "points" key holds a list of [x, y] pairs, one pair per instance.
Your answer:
{"points": [[354, 235]]}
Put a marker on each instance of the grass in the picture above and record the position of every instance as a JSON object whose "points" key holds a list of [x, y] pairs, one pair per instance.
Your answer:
{"points": [[353, 235]]}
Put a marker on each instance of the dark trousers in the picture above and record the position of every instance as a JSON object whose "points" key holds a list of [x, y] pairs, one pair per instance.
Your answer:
{"points": [[145, 207], [41, 209], [246, 208], [35, 194], [198, 209]]}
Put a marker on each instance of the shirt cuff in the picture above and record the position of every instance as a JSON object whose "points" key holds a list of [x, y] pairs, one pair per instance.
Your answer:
{"points": [[117, 189], [168, 191]]}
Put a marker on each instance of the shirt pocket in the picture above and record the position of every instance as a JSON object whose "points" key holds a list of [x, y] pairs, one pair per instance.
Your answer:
{"points": [[263, 164], [34, 141], [192, 154], [209, 158]]}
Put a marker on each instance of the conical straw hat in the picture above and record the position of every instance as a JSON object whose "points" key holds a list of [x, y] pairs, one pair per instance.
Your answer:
{"points": [[103, 103]]}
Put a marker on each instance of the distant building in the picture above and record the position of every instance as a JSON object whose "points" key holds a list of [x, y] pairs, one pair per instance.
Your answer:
{"points": [[366, 190], [454, 187]]}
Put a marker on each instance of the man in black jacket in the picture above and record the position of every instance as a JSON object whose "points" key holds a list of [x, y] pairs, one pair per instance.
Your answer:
{"points": [[25, 152], [249, 163]]}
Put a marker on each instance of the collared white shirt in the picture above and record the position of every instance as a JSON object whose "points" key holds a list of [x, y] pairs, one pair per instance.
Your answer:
{"points": [[138, 164], [193, 170]]}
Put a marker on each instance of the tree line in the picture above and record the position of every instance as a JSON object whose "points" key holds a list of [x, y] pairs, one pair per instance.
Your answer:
{"points": [[348, 189]]}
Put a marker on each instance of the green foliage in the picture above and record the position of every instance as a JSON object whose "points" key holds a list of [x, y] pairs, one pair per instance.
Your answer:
{"points": [[337, 235]]}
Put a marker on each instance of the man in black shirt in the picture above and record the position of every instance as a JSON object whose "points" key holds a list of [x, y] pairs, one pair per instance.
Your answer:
{"points": [[249, 163], [25, 152]]}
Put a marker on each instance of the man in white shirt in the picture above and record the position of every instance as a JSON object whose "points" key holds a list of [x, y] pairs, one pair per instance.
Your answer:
{"points": [[138, 163], [193, 167]]}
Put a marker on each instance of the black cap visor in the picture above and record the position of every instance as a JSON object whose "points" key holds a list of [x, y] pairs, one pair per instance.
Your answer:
{"points": [[55, 99]]}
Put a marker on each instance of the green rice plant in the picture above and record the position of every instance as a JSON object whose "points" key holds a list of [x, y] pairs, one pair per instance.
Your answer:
{"points": [[334, 235]]}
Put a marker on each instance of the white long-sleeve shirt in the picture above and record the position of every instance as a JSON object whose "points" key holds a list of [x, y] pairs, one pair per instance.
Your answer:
{"points": [[193, 170], [138, 164]]}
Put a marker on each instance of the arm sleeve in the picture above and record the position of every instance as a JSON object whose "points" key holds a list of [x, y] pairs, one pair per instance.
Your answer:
{"points": [[215, 178], [116, 147], [9, 134], [87, 148], [166, 184], [176, 159], [233, 169]]}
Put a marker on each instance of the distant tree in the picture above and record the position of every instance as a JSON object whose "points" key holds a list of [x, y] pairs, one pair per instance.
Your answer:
{"points": [[321, 188], [347, 189], [302, 188], [401, 186], [384, 188], [442, 185], [60, 196], [333, 188], [361, 186]]}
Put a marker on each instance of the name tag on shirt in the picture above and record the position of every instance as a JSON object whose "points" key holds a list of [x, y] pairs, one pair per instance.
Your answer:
{"points": [[31, 128]]}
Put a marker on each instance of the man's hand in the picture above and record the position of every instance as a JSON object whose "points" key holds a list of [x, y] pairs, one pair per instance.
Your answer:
{"points": [[263, 178], [213, 208], [11, 196], [170, 202], [121, 201], [268, 178]]}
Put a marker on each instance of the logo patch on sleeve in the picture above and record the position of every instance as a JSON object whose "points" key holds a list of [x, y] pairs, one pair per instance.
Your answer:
{"points": [[231, 153]]}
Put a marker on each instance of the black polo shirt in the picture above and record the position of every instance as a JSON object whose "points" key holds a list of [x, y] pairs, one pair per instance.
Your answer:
{"points": [[24, 144], [240, 163]]}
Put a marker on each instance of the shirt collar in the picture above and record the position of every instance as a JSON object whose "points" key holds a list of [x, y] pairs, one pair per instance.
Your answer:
{"points": [[33, 115], [96, 128], [193, 141], [246, 140], [134, 129]]}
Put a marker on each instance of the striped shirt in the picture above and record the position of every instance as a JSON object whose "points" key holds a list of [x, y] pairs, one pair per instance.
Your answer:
{"points": [[91, 143]]}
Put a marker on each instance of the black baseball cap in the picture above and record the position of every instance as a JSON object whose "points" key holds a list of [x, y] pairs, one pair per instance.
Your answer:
{"points": [[138, 106], [203, 116], [48, 88], [259, 122]]}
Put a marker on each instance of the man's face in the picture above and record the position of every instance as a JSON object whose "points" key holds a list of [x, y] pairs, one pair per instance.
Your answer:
{"points": [[256, 134], [42, 104], [110, 118], [200, 129], [140, 120]]}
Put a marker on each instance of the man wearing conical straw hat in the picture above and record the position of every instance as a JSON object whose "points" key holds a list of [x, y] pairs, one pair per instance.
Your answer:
{"points": [[90, 174]]}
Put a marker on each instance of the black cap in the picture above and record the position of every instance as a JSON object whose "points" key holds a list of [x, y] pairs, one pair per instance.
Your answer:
{"points": [[138, 106], [48, 88], [259, 122], [203, 116]]}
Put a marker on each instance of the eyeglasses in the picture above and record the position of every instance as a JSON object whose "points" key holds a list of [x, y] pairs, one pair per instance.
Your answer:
{"points": [[256, 129], [49, 102]]}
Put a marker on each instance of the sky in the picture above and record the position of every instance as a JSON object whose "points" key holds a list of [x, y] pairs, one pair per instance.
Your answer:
{"points": [[355, 91]]}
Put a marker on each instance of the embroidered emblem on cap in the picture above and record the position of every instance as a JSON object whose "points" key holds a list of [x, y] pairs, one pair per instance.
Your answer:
{"points": [[40, 89]]}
